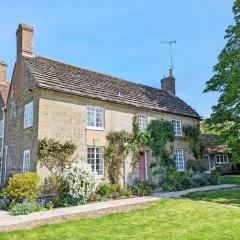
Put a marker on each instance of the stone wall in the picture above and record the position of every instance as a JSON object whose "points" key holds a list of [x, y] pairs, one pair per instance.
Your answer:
{"points": [[64, 117], [18, 139]]}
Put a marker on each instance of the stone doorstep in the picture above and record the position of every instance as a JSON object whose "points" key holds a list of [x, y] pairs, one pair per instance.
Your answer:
{"points": [[7, 220]]}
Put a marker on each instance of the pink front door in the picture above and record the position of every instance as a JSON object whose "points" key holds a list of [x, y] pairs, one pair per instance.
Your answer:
{"points": [[142, 170]]}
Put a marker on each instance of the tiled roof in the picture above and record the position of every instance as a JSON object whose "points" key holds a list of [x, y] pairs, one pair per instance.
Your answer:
{"points": [[62, 77], [211, 146]]}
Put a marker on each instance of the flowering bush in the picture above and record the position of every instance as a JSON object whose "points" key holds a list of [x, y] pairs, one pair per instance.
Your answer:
{"points": [[23, 186], [80, 180]]}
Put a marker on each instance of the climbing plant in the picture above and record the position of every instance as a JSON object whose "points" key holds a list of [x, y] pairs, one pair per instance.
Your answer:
{"points": [[54, 155], [160, 133], [118, 148], [193, 136], [123, 143]]}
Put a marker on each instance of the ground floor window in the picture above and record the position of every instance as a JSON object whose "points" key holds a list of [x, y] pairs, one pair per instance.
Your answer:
{"points": [[26, 161], [221, 159], [95, 159], [179, 158]]}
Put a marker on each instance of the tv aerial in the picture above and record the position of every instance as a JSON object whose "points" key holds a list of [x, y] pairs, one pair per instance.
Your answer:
{"points": [[170, 49]]}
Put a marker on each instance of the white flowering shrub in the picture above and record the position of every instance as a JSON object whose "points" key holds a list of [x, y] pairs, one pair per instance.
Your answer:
{"points": [[80, 180]]}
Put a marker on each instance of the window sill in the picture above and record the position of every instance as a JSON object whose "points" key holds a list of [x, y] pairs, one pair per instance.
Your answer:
{"points": [[27, 127], [95, 128]]}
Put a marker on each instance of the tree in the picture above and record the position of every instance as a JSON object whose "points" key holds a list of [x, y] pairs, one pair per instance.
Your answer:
{"points": [[55, 156], [225, 119]]}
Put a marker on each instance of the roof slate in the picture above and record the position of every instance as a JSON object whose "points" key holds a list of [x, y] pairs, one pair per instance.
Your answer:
{"points": [[62, 77]]}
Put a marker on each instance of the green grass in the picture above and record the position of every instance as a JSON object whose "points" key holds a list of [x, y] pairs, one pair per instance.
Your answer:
{"points": [[232, 179], [224, 196], [166, 219]]}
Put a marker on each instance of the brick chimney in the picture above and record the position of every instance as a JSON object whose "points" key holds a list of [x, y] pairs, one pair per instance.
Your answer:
{"points": [[24, 40], [168, 83], [4, 84], [3, 72]]}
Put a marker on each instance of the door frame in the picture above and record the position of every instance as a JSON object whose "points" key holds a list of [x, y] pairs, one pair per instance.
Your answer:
{"points": [[145, 164]]}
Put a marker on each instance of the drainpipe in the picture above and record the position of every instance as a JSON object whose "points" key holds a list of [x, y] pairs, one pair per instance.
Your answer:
{"points": [[3, 138]]}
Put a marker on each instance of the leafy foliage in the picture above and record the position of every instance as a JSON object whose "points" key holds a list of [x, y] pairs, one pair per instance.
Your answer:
{"points": [[23, 186], [24, 207], [115, 154], [54, 155], [143, 188], [193, 135], [52, 186], [225, 119], [160, 133], [175, 181]]}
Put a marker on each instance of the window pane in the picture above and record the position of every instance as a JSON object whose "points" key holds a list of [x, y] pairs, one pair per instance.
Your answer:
{"points": [[179, 158], [95, 158]]}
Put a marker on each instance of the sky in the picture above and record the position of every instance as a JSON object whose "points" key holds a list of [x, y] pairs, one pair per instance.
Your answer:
{"points": [[124, 38]]}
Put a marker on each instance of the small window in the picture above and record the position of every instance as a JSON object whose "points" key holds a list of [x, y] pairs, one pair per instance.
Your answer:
{"points": [[179, 158], [28, 115], [177, 126], [95, 159], [95, 117], [142, 121], [1, 129], [221, 158], [26, 161]]}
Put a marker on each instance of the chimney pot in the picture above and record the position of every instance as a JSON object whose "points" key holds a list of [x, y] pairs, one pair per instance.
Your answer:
{"points": [[24, 40]]}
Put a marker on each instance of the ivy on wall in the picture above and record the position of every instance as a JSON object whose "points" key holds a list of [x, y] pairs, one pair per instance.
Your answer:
{"points": [[160, 133], [193, 136], [122, 143]]}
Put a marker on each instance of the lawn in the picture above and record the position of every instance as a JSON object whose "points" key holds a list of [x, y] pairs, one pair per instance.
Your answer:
{"points": [[232, 179], [165, 219], [224, 196]]}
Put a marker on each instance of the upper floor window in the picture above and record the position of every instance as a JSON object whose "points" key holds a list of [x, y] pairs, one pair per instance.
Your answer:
{"points": [[179, 158], [95, 159], [142, 121], [26, 161], [1, 128], [177, 126], [95, 117], [221, 159], [28, 115]]}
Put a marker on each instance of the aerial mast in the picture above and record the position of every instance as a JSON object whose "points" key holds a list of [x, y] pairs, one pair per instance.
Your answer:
{"points": [[170, 49]]}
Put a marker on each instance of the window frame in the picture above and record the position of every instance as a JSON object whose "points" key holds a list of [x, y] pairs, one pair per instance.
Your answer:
{"points": [[26, 167], [174, 123], [222, 155], [28, 115], [177, 160], [140, 123], [101, 153], [95, 118]]}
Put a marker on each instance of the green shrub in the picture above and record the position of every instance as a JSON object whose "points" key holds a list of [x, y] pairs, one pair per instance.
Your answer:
{"points": [[175, 181], [24, 207], [108, 190], [66, 200], [52, 186], [23, 186], [143, 188]]}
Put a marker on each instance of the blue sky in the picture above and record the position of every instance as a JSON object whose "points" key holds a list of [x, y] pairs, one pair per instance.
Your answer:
{"points": [[123, 38]]}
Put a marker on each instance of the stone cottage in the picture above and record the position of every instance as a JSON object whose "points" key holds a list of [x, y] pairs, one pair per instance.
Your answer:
{"points": [[52, 99], [216, 155]]}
